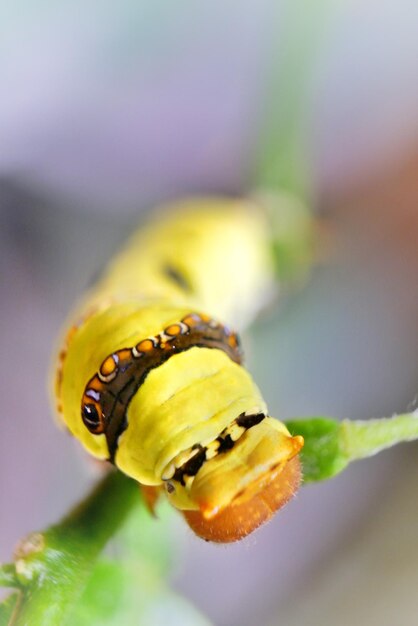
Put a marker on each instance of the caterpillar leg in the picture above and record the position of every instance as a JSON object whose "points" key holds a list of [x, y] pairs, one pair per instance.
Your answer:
{"points": [[150, 495]]}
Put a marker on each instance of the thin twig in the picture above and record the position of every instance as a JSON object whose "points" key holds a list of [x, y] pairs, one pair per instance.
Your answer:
{"points": [[8, 576], [54, 566]]}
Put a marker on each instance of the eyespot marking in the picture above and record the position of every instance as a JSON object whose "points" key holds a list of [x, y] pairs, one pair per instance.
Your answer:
{"points": [[91, 418]]}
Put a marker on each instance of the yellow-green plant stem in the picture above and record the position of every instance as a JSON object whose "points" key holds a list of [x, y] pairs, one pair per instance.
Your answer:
{"points": [[52, 567], [8, 576], [364, 438], [285, 138], [331, 445]]}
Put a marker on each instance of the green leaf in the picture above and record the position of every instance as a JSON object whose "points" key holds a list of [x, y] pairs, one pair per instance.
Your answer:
{"points": [[322, 456], [331, 445]]}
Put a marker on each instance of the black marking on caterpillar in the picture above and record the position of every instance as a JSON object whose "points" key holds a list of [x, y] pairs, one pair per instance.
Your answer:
{"points": [[225, 441], [124, 371], [178, 277]]}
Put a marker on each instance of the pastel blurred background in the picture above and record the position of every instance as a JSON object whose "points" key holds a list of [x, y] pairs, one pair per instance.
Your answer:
{"points": [[108, 108]]}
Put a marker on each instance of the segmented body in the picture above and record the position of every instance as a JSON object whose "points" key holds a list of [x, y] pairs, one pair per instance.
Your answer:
{"points": [[147, 380]]}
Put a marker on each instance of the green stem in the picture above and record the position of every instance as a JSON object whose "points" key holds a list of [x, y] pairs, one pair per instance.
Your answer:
{"points": [[53, 567], [363, 439], [331, 445], [283, 155], [8, 576]]}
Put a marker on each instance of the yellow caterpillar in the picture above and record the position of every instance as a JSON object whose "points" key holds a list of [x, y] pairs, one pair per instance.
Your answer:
{"points": [[150, 377]]}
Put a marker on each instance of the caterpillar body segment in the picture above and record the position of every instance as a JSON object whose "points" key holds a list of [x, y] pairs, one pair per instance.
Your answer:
{"points": [[209, 254]]}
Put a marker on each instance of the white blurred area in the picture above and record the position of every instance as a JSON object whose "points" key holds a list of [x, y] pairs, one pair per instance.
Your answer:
{"points": [[107, 108]]}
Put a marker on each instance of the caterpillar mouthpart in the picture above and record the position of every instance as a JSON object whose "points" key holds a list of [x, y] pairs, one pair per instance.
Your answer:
{"points": [[241, 489]]}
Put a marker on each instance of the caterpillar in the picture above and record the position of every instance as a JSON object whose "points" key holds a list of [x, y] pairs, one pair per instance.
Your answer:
{"points": [[150, 374]]}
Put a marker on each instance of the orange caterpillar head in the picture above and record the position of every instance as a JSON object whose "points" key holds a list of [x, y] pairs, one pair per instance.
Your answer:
{"points": [[243, 516], [238, 490]]}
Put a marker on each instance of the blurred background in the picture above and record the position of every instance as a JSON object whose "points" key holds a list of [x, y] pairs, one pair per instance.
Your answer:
{"points": [[107, 109]]}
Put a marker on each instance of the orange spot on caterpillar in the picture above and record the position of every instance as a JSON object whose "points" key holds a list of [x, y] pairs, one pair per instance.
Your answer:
{"points": [[58, 382], [191, 320], [96, 384], [173, 330], [124, 355], [239, 519], [145, 346], [62, 355], [109, 365], [69, 336]]}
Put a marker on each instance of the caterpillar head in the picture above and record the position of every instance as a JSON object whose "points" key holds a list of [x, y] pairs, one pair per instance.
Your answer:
{"points": [[239, 489]]}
